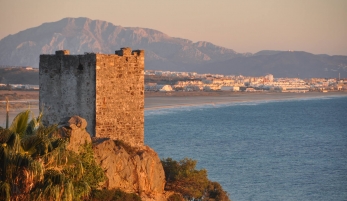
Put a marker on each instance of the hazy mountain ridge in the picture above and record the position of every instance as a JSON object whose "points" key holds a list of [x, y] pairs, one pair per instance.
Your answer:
{"points": [[283, 64], [163, 52], [81, 35]]}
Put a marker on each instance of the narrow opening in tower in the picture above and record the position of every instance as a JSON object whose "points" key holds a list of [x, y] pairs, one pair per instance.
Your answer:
{"points": [[80, 67]]}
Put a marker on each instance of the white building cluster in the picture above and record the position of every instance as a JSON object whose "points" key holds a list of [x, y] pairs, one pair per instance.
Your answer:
{"points": [[19, 86], [216, 82]]}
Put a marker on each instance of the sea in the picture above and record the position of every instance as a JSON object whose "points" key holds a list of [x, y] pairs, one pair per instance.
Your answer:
{"points": [[260, 150]]}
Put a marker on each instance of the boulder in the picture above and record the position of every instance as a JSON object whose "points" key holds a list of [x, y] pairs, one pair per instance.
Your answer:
{"points": [[74, 122], [75, 129], [131, 169]]}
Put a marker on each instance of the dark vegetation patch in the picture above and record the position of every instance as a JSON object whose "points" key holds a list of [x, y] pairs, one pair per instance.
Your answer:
{"points": [[113, 195], [192, 184], [128, 148]]}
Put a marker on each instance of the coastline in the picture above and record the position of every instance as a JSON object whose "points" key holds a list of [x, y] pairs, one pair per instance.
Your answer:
{"points": [[162, 100]]}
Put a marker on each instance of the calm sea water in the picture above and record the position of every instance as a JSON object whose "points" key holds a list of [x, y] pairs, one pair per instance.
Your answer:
{"points": [[280, 150]]}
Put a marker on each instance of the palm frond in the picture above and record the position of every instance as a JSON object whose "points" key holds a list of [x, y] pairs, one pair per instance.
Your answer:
{"points": [[5, 191], [29, 144], [4, 135], [55, 176], [51, 191], [37, 170], [4, 158], [20, 123], [41, 143], [34, 124], [82, 189], [14, 143], [68, 193], [34, 159]]}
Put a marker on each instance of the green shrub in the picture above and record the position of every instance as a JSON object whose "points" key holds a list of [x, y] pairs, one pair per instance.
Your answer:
{"points": [[182, 178], [93, 174], [215, 192], [35, 165], [113, 195], [175, 197]]}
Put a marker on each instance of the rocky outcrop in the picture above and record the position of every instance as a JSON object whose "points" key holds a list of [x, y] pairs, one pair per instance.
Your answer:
{"points": [[75, 129], [131, 169]]}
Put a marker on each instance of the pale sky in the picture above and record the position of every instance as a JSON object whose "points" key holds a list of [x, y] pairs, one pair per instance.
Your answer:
{"points": [[316, 26]]}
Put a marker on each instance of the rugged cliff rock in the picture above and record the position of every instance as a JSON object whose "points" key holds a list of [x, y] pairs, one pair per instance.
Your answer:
{"points": [[131, 169]]}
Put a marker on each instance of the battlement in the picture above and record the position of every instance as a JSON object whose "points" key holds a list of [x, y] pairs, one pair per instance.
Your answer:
{"points": [[126, 51], [62, 52], [105, 89], [140, 53]]}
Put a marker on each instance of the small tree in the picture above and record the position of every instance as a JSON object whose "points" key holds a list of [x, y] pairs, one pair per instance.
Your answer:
{"points": [[182, 177]]}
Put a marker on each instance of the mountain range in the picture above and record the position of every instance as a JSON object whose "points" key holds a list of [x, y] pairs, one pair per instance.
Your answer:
{"points": [[162, 52]]}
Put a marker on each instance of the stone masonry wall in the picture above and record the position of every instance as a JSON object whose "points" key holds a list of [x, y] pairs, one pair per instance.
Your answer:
{"points": [[67, 87], [105, 89], [120, 96]]}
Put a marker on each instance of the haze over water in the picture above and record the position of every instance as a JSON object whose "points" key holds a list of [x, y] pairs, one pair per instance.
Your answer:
{"points": [[271, 150]]}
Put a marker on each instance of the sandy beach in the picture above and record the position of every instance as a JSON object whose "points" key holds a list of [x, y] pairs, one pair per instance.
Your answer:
{"points": [[159, 100]]}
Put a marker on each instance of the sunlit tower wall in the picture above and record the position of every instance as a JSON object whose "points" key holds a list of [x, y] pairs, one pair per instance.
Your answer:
{"points": [[105, 89]]}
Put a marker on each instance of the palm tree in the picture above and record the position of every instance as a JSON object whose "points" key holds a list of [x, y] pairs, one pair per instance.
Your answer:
{"points": [[35, 164], [18, 170]]}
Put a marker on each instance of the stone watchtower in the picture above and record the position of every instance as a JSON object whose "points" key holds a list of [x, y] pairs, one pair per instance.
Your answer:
{"points": [[105, 89]]}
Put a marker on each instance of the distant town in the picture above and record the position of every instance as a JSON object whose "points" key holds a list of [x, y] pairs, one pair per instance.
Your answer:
{"points": [[192, 81], [168, 81]]}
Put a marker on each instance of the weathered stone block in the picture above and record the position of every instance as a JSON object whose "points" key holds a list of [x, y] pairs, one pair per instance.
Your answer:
{"points": [[125, 51]]}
